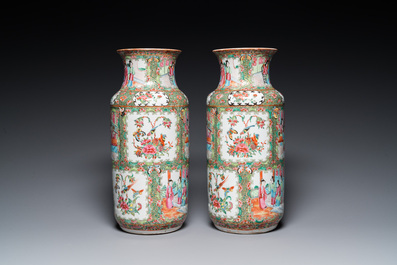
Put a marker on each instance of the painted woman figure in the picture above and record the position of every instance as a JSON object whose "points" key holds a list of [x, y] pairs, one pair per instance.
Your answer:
{"points": [[278, 193], [131, 73], [222, 81], [179, 190], [169, 194], [171, 73], [273, 191], [114, 145], [262, 194], [184, 192], [228, 73], [265, 69]]}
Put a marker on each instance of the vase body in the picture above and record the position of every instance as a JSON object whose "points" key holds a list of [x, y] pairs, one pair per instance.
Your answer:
{"points": [[245, 144], [150, 144]]}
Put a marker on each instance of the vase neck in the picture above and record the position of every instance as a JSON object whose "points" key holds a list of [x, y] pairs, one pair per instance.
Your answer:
{"points": [[244, 68], [149, 69]]}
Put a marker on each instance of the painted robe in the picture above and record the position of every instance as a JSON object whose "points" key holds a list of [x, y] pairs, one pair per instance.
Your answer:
{"points": [[169, 197], [179, 191], [262, 197], [184, 195], [273, 192]]}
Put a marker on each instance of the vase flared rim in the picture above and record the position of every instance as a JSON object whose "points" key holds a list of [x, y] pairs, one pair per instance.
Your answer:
{"points": [[244, 49], [148, 50]]}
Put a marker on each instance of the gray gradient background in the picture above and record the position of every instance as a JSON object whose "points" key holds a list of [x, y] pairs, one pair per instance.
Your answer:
{"points": [[336, 67]]}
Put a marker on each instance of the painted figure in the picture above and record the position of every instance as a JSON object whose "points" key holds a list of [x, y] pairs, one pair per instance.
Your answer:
{"points": [[169, 194], [114, 147], [130, 73], [223, 80], [228, 74], [273, 191], [179, 190], [171, 70], [262, 192], [184, 192]]}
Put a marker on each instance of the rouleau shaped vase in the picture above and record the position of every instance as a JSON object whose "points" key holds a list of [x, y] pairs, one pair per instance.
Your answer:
{"points": [[150, 144], [245, 144]]}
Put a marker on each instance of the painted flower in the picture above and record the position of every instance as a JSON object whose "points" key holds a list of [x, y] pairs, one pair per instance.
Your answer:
{"points": [[142, 97], [260, 123], [145, 141], [232, 122], [238, 140], [139, 123], [242, 148], [138, 152], [231, 151], [149, 149], [216, 204], [167, 123], [124, 206]]}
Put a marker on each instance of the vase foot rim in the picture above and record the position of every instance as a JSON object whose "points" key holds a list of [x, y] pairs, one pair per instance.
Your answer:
{"points": [[151, 232], [246, 232]]}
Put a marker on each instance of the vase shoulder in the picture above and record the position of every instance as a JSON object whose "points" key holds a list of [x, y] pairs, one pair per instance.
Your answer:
{"points": [[142, 97], [249, 96]]}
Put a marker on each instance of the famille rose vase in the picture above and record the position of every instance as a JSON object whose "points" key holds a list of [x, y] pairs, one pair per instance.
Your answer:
{"points": [[245, 144], [150, 144]]}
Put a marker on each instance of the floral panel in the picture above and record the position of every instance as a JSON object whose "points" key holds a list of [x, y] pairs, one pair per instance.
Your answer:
{"points": [[245, 136], [130, 192], [151, 136], [150, 98], [242, 98], [223, 193]]}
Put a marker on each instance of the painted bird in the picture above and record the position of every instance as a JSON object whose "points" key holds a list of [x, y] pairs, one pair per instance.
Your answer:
{"points": [[161, 139], [153, 129], [138, 134], [127, 188], [246, 129], [254, 141], [222, 183], [231, 132]]}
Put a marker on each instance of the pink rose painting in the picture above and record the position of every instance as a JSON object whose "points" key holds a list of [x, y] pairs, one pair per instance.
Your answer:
{"points": [[149, 149]]}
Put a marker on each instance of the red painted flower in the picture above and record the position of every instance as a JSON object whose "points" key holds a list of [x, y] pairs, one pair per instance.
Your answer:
{"points": [[124, 206], [216, 204], [242, 148], [145, 141], [231, 151], [167, 124], [149, 149], [261, 123]]}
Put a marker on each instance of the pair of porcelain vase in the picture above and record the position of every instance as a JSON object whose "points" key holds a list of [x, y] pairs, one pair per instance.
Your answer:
{"points": [[150, 144]]}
